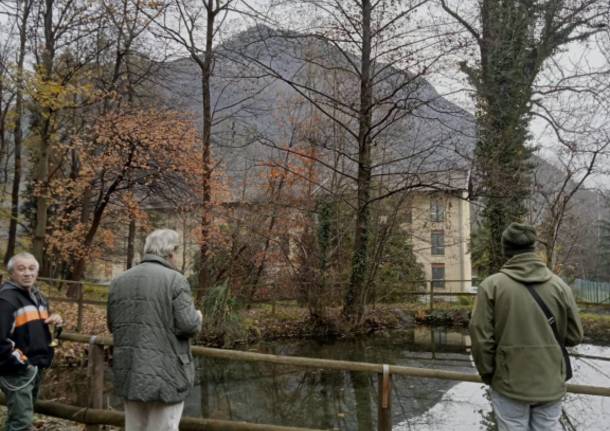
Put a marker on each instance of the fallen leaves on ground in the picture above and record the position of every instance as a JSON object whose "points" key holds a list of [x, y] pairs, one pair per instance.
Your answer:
{"points": [[93, 323]]}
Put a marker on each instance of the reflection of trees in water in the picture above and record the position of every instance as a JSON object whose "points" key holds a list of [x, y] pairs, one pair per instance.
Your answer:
{"points": [[285, 395], [324, 391], [274, 394], [363, 387], [566, 421], [582, 412]]}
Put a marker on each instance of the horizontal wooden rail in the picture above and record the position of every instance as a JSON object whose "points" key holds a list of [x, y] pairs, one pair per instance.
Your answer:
{"points": [[61, 280], [334, 364], [111, 417], [77, 301]]}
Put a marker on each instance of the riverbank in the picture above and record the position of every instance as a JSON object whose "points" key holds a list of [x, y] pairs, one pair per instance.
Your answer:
{"points": [[289, 321], [269, 323], [597, 327]]}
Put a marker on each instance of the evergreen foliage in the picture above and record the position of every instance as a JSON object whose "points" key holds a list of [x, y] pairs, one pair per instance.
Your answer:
{"points": [[514, 40]]}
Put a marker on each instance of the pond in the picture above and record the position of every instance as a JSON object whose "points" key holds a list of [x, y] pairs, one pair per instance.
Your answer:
{"points": [[285, 395]]}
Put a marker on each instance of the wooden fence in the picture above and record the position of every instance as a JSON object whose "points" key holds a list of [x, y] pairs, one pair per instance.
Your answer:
{"points": [[94, 414]]}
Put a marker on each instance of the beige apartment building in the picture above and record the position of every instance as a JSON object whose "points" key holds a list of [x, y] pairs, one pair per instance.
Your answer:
{"points": [[440, 231], [438, 224]]}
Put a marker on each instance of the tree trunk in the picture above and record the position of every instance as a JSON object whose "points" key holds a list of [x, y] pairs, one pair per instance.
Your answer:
{"points": [[41, 172], [206, 74], [355, 298], [361, 385], [78, 270], [18, 136], [131, 238], [3, 142]]}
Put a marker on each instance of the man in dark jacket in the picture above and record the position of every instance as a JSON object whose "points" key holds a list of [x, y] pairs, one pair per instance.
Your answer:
{"points": [[152, 318], [513, 344], [24, 340]]}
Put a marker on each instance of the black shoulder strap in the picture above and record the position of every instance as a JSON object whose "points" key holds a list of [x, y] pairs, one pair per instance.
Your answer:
{"points": [[553, 323]]}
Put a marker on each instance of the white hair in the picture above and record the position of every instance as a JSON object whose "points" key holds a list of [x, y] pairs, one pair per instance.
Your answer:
{"points": [[23, 255], [162, 242]]}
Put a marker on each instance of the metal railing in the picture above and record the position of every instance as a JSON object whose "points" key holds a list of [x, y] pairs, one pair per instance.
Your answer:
{"points": [[593, 292]]}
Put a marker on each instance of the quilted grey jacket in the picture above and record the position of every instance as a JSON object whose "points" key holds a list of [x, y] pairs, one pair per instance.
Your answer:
{"points": [[152, 316]]}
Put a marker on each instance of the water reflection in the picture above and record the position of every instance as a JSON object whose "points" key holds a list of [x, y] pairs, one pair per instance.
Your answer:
{"points": [[284, 395]]}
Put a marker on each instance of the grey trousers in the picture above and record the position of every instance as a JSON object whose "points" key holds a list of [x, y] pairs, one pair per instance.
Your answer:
{"points": [[152, 416], [21, 391], [514, 415]]}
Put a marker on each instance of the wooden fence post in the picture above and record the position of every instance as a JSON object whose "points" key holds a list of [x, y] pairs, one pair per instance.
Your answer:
{"points": [[431, 296], [95, 374], [79, 321], [384, 403]]}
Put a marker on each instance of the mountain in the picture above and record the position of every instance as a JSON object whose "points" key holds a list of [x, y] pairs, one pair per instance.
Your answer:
{"points": [[257, 113]]}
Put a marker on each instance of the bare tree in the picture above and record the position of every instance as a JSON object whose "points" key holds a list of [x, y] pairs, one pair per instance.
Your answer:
{"points": [[22, 18], [7, 100], [576, 141], [371, 62], [183, 21]]}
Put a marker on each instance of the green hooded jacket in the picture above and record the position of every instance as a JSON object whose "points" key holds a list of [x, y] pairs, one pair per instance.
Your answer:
{"points": [[513, 345]]}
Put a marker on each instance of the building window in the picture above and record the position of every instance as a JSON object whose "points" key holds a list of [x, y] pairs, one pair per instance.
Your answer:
{"points": [[437, 239], [437, 210], [438, 275]]}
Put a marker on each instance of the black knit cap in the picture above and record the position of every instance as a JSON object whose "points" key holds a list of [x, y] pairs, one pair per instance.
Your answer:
{"points": [[518, 238]]}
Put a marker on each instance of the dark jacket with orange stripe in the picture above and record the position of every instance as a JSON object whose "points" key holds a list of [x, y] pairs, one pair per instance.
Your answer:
{"points": [[22, 316]]}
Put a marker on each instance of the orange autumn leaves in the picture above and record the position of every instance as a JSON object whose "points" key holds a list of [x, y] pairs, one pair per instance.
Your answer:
{"points": [[126, 161]]}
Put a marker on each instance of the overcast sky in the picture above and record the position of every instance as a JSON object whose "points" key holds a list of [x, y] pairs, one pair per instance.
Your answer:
{"points": [[447, 79]]}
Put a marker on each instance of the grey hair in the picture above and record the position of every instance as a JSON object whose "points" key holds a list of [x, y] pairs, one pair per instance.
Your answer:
{"points": [[162, 242], [23, 255]]}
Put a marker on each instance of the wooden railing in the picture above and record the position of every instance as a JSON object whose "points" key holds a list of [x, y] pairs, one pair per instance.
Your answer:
{"points": [[384, 372]]}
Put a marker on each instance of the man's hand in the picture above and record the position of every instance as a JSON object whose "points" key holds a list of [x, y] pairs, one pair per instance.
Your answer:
{"points": [[19, 357], [54, 319]]}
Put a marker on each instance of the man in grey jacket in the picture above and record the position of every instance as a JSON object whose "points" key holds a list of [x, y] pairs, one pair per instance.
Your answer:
{"points": [[152, 317]]}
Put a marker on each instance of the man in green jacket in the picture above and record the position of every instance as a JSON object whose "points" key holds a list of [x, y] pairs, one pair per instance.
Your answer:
{"points": [[513, 344]]}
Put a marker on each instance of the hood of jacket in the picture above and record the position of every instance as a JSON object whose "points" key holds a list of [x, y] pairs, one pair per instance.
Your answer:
{"points": [[9, 285], [33, 292], [157, 259], [527, 268]]}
